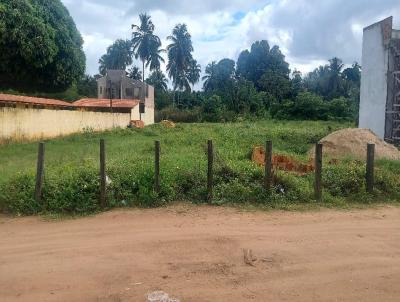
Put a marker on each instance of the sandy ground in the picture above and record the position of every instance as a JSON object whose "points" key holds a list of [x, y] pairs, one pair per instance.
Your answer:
{"points": [[196, 254]]}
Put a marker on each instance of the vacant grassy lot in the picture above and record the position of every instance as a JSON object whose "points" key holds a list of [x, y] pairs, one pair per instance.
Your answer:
{"points": [[182, 145], [71, 181]]}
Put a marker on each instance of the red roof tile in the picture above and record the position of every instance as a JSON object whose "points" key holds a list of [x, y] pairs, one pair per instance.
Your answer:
{"points": [[32, 100], [105, 103]]}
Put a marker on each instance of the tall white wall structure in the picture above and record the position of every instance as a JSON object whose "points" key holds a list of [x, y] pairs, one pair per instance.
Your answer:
{"points": [[380, 81]]}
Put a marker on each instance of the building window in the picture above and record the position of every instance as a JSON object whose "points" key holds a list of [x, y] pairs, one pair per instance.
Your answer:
{"points": [[142, 108], [101, 89], [129, 92]]}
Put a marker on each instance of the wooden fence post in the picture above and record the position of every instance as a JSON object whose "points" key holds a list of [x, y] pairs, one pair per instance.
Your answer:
{"points": [[370, 168], [39, 173], [318, 172], [157, 167], [210, 171], [268, 165], [102, 173]]}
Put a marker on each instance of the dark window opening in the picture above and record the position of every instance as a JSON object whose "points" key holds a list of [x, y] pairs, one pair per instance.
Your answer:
{"points": [[129, 92], [142, 108]]}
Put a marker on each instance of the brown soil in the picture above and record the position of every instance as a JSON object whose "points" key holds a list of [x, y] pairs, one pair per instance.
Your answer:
{"points": [[196, 254], [281, 162], [352, 142]]}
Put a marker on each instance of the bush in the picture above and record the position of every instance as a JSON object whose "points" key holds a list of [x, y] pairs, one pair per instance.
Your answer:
{"points": [[212, 109], [179, 116]]}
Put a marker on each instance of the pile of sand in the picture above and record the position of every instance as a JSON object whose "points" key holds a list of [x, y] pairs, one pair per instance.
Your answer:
{"points": [[168, 124], [352, 142]]}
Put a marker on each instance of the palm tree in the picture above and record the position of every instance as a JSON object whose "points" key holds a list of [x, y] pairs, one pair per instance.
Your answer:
{"points": [[155, 58], [158, 79], [209, 78], [135, 73], [194, 72], [179, 56], [145, 44], [118, 56], [335, 77]]}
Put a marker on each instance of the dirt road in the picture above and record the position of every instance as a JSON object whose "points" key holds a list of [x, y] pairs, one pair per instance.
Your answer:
{"points": [[196, 254]]}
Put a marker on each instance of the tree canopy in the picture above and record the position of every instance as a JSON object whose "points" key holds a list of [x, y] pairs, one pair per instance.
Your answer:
{"points": [[40, 46], [180, 57], [146, 45], [118, 56]]}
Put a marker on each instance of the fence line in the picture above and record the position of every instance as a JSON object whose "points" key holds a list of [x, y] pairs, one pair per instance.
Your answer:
{"points": [[268, 176]]}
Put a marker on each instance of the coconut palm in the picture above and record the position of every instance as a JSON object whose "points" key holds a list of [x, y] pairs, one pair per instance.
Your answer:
{"points": [[118, 56], [135, 73], [158, 79], [145, 43], [155, 58], [179, 57], [209, 77], [194, 72]]}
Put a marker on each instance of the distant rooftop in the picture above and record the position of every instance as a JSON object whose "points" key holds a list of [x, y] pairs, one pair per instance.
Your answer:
{"points": [[93, 103], [5, 98], [105, 103]]}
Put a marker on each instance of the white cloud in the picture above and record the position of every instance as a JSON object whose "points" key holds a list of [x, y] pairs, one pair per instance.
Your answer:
{"points": [[308, 31]]}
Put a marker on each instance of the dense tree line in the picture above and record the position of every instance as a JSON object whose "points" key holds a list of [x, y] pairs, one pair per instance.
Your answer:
{"points": [[259, 84], [42, 51]]}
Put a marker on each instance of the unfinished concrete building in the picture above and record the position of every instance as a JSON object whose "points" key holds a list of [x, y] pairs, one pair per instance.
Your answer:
{"points": [[380, 81], [117, 85]]}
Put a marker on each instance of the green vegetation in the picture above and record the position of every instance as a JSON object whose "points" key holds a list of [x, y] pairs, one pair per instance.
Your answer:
{"points": [[40, 47], [72, 169]]}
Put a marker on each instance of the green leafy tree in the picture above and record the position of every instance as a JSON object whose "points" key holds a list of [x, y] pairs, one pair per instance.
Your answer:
{"points": [[87, 86], [212, 109], [219, 76], [146, 45], [297, 83], [158, 79], [40, 46], [180, 57], [135, 73], [253, 64], [276, 84], [118, 56]]}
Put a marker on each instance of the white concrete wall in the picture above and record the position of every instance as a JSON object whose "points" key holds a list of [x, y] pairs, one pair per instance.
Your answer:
{"points": [[148, 116], [373, 81], [30, 124]]}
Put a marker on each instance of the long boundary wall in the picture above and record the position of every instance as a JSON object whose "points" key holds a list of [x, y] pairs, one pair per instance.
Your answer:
{"points": [[30, 124]]}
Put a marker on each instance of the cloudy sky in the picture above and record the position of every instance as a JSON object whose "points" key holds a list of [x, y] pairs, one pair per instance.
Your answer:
{"points": [[308, 31]]}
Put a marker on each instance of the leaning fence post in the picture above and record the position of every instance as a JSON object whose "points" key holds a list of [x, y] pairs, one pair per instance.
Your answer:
{"points": [[157, 167], [370, 168], [210, 154], [102, 173], [39, 173], [318, 172], [268, 165]]}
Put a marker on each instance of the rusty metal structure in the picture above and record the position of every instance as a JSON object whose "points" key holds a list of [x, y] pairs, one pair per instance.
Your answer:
{"points": [[392, 124]]}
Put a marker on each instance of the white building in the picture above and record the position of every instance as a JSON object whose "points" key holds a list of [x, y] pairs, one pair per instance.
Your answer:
{"points": [[380, 81]]}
